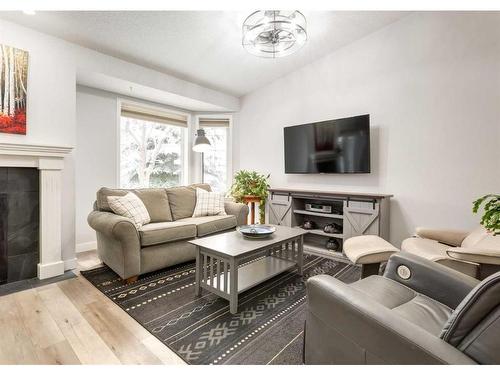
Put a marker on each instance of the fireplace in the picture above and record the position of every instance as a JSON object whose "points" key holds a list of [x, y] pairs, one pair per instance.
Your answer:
{"points": [[19, 223], [31, 218]]}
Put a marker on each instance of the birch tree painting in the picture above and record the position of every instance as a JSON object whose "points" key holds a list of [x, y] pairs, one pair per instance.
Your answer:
{"points": [[13, 89]]}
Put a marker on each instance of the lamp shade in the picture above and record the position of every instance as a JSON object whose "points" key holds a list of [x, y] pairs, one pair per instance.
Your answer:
{"points": [[201, 142]]}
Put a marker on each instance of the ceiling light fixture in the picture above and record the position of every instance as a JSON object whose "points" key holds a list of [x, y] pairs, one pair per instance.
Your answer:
{"points": [[274, 33]]}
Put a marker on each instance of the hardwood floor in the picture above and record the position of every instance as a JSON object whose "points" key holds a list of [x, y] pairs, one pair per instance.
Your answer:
{"points": [[71, 322]]}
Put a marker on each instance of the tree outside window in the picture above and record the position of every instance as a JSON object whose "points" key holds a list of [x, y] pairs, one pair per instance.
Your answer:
{"points": [[216, 159], [151, 154]]}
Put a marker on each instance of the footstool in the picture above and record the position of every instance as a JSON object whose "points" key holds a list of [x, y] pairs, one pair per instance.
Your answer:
{"points": [[368, 251]]}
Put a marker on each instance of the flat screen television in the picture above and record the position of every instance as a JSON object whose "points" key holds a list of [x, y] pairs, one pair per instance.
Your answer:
{"points": [[334, 146]]}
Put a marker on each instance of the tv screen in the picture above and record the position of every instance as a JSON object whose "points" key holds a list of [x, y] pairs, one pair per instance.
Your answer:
{"points": [[334, 146]]}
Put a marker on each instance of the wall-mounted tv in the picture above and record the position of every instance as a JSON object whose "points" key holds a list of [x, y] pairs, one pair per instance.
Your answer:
{"points": [[334, 146]]}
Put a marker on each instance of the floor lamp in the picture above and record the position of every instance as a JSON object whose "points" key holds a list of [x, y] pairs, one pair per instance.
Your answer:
{"points": [[201, 144]]}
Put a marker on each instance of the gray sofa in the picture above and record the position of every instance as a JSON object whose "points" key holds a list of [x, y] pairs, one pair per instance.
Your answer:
{"points": [[163, 242], [418, 312]]}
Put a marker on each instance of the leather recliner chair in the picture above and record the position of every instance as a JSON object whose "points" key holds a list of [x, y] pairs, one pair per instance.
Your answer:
{"points": [[418, 312], [475, 253]]}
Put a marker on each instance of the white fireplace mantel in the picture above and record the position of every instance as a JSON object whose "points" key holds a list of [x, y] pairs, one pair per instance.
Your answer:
{"points": [[50, 161]]}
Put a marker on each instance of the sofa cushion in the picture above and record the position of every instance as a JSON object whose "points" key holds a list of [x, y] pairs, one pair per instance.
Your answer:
{"points": [[156, 202], [130, 206], [157, 233], [408, 304], [203, 186], [208, 203], [387, 292], [102, 197], [211, 224], [182, 200], [426, 313]]}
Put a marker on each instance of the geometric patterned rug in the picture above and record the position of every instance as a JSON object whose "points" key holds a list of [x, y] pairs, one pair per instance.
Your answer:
{"points": [[268, 328]]}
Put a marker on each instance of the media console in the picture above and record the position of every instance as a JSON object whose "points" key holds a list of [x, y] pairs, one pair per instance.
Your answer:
{"points": [[357, 214]]}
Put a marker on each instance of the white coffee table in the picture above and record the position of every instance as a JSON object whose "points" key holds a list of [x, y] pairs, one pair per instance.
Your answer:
{"points": [[217, 256]]}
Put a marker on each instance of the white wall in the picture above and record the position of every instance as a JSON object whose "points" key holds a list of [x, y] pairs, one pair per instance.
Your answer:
{"points": [[431, 83], [54, 68], [50, 108], [95, 155]]}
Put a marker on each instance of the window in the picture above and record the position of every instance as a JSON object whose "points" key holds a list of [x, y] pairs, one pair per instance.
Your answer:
{"points": [[216, 170], [152, 147]]}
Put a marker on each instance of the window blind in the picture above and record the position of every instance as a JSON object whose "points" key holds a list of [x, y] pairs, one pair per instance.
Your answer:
{"points": [[214, 122], [154, 115]]}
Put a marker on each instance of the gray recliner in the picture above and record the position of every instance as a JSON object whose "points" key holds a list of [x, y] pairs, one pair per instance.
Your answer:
{"points": [[418, 312]]}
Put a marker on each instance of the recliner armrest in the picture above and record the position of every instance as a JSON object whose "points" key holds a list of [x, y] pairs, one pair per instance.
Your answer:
{"points": [[470, 254], [371, 326], [447, 236], [432, 279]]}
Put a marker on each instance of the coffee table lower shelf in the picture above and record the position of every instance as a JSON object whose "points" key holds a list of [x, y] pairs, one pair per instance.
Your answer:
{"points": [[256, 272]]}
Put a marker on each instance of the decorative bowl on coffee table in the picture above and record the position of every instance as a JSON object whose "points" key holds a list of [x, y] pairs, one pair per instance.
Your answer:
{"points": [[256, 230]]}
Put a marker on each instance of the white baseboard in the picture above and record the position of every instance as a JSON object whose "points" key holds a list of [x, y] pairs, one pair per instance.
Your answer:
{"points": [[48, 270], [86, 246], [70, 264]]}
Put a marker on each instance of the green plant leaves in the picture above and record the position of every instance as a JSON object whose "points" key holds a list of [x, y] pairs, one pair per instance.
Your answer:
{"points": [[491, 216], [250, 183]]}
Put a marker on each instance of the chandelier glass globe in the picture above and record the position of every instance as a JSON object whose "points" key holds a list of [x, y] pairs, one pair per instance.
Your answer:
{"points": [[274, 33]]}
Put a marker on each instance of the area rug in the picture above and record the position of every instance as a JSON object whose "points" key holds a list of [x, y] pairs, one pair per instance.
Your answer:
{"points": [[268, 328]]}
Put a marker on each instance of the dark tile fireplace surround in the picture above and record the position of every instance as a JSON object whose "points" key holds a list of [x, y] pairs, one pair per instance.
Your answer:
{"points": [[19, 223]]}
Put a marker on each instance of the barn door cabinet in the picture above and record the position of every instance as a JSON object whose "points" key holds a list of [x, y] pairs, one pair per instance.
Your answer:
{"points": [[356, 213], [280, 210]]}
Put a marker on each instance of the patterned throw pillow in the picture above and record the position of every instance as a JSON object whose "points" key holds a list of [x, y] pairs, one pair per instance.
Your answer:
{"points": [[208, 203], [130, 206]]}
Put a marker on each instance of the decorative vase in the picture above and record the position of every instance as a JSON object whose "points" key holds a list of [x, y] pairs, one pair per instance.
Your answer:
{"points": [[309, 224], [332, 244], [332, 228]]}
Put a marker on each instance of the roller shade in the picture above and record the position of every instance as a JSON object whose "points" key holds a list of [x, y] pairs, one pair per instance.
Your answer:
{"points": [[154, 115], [214, 123]]}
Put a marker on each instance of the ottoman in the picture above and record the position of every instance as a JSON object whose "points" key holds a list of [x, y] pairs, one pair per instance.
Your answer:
{"points": [[368, 251]]}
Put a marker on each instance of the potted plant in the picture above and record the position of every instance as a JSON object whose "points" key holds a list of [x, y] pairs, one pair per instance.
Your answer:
{"points": [[491, 216], [248, 186]]}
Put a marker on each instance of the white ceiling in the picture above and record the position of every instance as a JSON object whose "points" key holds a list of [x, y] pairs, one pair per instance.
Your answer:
{"points": [[203, 47]]}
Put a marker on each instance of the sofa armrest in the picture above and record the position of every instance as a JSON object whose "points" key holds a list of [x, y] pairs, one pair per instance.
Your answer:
{"points": [[337, 312], [430, 278], [475, 255], [115, 226], [447, 236], [118, 243], [239, 210]]}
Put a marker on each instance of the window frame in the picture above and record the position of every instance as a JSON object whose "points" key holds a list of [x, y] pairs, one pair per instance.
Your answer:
{"points": [[185, 154], [229, 145]]}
